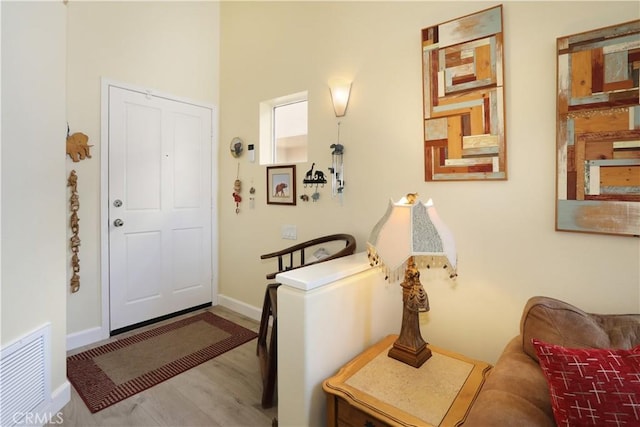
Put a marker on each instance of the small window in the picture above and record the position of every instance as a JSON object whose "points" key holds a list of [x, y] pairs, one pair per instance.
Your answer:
{"points": [[283, 130]]}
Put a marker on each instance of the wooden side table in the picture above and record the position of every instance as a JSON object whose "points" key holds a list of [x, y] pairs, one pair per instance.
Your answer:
{"points": [[375, 390]]}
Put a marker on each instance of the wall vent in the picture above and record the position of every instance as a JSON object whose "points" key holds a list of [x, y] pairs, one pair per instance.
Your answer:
{"points": [[24, 377]]}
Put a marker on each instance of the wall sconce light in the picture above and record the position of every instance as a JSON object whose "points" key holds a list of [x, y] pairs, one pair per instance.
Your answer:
{"points": [[340, 89]]}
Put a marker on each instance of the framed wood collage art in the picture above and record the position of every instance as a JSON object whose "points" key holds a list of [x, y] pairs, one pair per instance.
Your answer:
{"points": [[281, 185], [463, 96], [598, 131]]}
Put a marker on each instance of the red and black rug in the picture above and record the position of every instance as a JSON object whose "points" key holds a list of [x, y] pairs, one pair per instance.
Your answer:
{"points": [[115, 371]]}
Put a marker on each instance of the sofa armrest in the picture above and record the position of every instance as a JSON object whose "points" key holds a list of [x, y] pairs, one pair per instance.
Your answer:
{"points": [[514, 394]]}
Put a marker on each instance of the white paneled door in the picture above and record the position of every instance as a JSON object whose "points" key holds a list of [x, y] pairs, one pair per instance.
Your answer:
{"points": [[159, 206]]}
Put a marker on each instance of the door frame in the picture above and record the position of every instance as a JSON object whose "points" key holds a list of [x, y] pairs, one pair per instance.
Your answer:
{"points": [[104, 191]]}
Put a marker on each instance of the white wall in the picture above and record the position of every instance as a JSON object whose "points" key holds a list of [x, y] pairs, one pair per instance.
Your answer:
{"points": [[170, 47], [34, 198], [508, 249]]}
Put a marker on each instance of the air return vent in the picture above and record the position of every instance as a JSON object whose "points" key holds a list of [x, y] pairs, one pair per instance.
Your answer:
{"points": [[24, 377]]}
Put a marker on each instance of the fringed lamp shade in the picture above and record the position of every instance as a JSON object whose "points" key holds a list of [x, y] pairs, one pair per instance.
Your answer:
{"points": [[411, 229]]}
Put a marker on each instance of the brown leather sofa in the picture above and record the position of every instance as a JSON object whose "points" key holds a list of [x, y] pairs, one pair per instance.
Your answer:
{"points": [[516, 392]]}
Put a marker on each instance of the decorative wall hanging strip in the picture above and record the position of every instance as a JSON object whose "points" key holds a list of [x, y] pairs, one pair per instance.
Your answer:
{"points": [[237, 187], [74, 223]]}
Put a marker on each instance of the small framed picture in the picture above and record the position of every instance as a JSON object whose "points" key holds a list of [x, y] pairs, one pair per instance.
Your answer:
{"points": [[281, 185]]}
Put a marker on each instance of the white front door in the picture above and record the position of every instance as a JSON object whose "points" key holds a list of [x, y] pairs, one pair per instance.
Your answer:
{"points": [[159, 206]]}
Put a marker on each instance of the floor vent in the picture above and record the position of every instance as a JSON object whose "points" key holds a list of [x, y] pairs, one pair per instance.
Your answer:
{"points": [[24, 377]]}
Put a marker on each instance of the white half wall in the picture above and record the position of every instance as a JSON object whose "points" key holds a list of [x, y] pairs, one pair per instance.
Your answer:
{"points": [[328, 313]]}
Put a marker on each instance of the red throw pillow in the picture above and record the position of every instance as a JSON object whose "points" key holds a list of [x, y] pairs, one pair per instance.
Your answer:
{"points": [[592, 386]]}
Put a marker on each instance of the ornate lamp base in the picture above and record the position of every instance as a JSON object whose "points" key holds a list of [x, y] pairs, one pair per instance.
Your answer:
{"points": [[411, 356], [410, 348]]}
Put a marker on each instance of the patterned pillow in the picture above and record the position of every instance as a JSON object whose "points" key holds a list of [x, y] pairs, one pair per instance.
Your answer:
{"points": [[592, 387]]}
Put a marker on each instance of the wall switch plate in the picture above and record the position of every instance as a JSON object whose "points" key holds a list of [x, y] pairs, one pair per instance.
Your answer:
{"points": [[289, 232]]}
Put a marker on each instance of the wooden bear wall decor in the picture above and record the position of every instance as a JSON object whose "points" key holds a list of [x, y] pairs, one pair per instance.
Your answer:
{"points": [[74, 222], [78, 147]]}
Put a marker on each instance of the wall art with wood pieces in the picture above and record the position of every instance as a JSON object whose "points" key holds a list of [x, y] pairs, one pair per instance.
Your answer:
{"points": [[463, 93], [598, 131]]}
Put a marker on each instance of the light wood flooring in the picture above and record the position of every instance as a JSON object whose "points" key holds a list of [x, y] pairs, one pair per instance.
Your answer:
{"points": [[224, 391]]}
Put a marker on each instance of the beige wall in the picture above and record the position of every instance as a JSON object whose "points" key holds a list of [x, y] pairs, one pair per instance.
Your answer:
{"points": [[34, 196], [508, 249], [170, 47]]}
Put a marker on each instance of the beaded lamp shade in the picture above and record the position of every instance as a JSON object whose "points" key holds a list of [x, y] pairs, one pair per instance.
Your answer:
{"points": [[411, 228]]}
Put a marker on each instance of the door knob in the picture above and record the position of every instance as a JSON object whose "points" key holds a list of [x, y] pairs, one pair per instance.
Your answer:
{"points": [[118, 222]]}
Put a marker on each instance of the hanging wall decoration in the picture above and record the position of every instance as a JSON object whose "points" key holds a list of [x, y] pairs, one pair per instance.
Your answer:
{"points": [[237, 187], [313, 178], [337, 167], [281, 185], [252, 196], [598, 131], [78, 147], [236, 147], [74, 222], [463, 94]]}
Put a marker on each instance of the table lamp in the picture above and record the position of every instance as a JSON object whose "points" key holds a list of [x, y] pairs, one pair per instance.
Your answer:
{"points": [[408, 237]]}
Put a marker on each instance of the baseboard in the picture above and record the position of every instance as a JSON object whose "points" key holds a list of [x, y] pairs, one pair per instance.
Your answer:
{"points": [[86, 337], [51, 413], [93, 335], [59, 398], [240, 307]]}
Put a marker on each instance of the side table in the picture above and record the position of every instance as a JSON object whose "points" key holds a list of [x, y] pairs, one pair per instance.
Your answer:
{"points": [[375, 390]]}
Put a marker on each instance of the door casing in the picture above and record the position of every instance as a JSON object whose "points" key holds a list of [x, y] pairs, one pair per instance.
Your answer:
{"points": [[104, 194]]}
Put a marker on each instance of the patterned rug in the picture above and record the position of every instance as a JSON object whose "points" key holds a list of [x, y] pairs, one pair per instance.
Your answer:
{"points": [[112, 372]]}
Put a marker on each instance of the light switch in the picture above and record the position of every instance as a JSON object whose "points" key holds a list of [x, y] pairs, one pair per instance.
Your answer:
{"points": [[289, 232]]}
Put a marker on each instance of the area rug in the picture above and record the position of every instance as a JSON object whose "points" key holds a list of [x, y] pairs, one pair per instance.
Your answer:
{"points": [[112, 372]]}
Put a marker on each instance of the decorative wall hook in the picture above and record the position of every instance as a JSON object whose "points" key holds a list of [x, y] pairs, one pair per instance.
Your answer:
{"points": [[313, 178], [316, 177]]}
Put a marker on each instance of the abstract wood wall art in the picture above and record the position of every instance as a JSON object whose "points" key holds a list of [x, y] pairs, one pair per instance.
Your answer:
{"points": [[463, 92], [598, 131]]}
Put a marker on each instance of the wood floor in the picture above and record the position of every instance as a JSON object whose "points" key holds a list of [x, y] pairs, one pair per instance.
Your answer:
{"points": [[224, 391]]}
